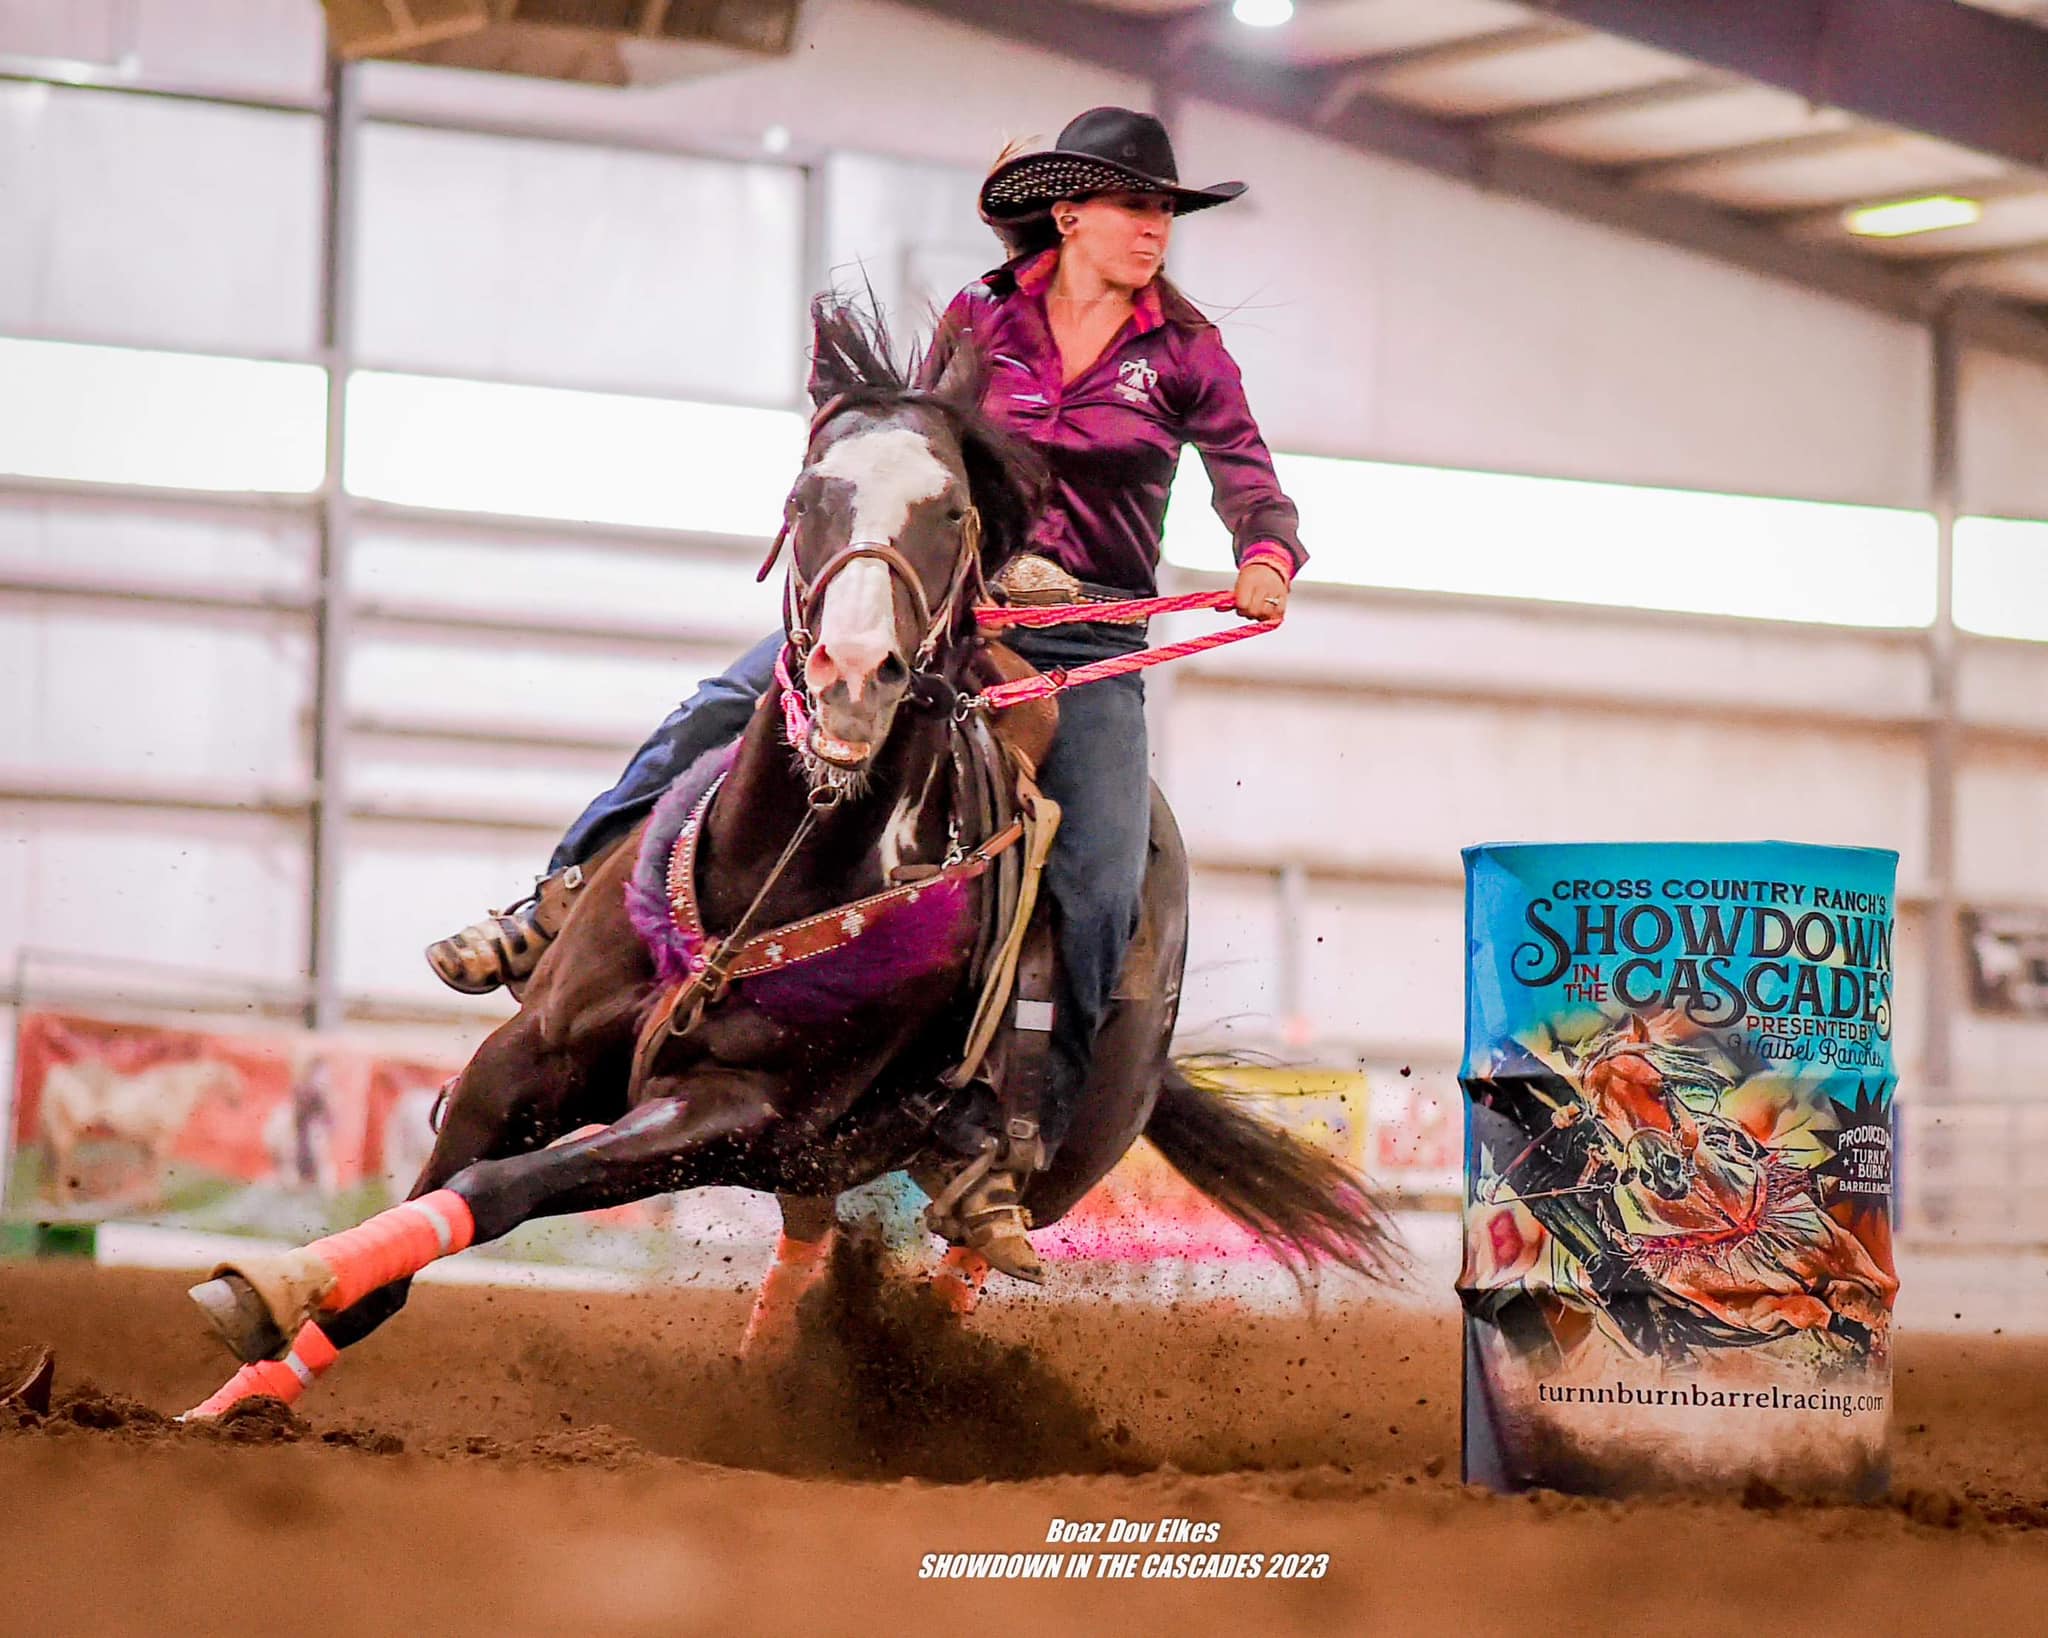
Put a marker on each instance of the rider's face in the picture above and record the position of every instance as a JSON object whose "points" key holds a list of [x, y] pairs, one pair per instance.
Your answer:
{"points": [[1122, 237]]}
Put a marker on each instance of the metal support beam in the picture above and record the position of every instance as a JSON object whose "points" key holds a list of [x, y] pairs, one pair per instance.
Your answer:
{"points": [[1944, 949], [1679, 169], [1637, 99], [1465, 153], [1805, 218], [329, 818], [1954, 271], [167, 594], [1291, 907], [814, 275], [1470, 48], [1956, 72]]}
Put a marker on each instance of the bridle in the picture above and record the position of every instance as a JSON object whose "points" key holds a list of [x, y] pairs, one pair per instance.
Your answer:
{"points": [[802, 595]]}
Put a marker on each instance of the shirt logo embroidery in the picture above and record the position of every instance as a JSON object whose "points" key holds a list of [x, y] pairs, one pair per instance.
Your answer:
{"points": [[1135, 380]]}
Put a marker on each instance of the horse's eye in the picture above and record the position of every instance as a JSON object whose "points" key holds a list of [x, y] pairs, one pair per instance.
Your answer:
{"points": [[955, 514]]}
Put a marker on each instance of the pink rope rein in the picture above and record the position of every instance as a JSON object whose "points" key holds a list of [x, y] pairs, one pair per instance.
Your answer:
{"points": [[796, 720], [1049, 683]]}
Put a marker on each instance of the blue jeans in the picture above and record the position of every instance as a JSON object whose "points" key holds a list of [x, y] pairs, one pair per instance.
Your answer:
{"points": [[713, 716], [1096, 771]]}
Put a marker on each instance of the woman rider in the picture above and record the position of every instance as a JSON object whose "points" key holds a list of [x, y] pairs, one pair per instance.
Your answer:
{"points": [[1101, 364]]}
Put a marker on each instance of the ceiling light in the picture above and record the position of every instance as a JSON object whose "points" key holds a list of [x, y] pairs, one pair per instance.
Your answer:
{"points": [[1942, 210], [1263, 13]]}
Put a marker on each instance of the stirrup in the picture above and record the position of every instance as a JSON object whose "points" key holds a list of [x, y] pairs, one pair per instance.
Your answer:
{"points": [[981, 1211], [506, 946]]}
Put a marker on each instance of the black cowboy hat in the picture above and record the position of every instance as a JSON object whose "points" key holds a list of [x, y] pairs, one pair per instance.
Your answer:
{"points": [[1106, 150]]}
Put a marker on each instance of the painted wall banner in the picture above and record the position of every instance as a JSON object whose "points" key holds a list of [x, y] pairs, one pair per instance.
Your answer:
{"points": [[1678, 1166], [282, 1134]]}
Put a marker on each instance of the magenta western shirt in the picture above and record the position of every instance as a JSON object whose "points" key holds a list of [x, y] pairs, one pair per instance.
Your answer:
{"points": [[1112, 437]]}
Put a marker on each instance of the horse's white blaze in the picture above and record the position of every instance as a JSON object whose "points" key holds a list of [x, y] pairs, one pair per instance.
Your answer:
{"points": [[891, 470], [901, 834], [858, 627]]}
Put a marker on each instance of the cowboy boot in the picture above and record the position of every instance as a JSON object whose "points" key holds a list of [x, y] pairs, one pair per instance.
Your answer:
{"points": [[980, 1209], [506, 946]]}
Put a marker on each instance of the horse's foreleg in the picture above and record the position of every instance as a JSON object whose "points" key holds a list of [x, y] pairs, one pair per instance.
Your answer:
{"points": [[514, 1094], [310, 1356], [801, 1251], [661, 1145]]}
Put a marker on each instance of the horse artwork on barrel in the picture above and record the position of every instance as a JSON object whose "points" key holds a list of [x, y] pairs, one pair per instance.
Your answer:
{"points": [[1678, 1211], [798, 973]]}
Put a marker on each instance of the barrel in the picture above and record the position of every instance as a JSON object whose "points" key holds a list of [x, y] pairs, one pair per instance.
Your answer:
{"points": [[1678, 1213]]}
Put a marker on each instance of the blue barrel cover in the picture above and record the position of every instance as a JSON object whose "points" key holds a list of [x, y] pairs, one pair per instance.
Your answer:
{"points": [[1678, 1166]]}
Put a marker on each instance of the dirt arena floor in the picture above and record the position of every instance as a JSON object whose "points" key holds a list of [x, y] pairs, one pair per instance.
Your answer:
{"points": [[512, 1462]]}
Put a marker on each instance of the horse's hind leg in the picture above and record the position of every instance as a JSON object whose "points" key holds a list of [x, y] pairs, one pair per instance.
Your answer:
{"points": [[800, 1254]]}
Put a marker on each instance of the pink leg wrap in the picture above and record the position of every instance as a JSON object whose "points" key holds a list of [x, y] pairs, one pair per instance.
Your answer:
{"points": [[796, 1268], [285, 1379], [394, 1244], [959, 1280]]}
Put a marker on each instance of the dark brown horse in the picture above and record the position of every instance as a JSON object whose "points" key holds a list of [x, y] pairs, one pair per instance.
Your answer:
{"points": [[816, 1079]]}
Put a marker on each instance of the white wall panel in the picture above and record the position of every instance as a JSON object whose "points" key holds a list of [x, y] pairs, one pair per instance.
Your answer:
{"points": [[536, 577], [908, 229], [555, 452], [1399, 640], [2005, 436], [591, 267], [268, 48], [169, 420], [129, 694], [158, 223], [409, 885], [1384, 964], [1233, 972], [491, 682], [1381, 783], [2002, 823], [219, 893], [88, 537], [390, 771], [261, 48], [866, 75], [1382, 311], [1377, 310], [2006, 683]]}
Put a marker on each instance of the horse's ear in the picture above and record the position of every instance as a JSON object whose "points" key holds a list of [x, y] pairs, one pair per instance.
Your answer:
{"points": [[849, 351], [1638, 1028], [952, 365], [831, 370], [960, 380]]}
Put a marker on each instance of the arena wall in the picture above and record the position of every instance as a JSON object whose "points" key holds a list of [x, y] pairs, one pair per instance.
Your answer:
{"points": [[155, 646]]}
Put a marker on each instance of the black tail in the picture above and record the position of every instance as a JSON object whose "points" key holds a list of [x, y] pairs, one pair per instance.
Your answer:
{"points": [[1302, 1204]]}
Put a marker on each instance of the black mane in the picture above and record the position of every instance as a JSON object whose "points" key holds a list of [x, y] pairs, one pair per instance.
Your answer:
{"points": [[854, 360]]}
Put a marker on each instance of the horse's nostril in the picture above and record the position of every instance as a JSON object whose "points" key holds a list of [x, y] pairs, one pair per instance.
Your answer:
{"points": [[892, 671]]}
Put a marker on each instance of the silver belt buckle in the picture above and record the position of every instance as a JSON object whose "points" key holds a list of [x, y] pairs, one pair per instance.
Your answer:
{"points": [[1036, 582]]}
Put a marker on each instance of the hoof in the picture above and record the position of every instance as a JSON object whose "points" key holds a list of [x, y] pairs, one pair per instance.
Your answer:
{"points": [[29, 1390], [239, 1318], [1011, 1254]]}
